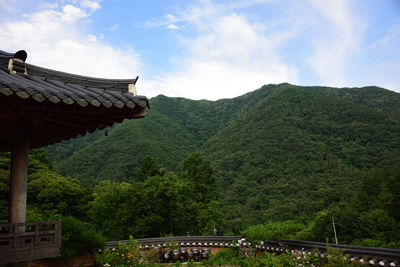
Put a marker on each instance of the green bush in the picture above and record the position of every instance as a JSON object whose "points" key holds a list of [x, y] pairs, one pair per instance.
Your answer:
{"points": [[231, 257], [273, 231], [79, 237], [127, 255], [224, 257]]}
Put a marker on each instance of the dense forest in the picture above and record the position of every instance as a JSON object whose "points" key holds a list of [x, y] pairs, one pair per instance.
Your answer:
{"points": [[156, 203], [278, 162]]}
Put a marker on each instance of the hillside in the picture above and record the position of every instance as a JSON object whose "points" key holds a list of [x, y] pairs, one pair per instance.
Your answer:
{"points": [[296, 152], [280, 152], [172, 129]]}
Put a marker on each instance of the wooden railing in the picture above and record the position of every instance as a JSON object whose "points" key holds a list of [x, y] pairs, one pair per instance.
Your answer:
{"points": [[28, 241]]}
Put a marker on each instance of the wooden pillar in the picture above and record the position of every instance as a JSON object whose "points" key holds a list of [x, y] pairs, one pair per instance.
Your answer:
{"points": [[18, 181], [18, 187]]}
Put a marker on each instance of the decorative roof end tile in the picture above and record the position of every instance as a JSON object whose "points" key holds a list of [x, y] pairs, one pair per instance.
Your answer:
{"points": [[16, 64]]}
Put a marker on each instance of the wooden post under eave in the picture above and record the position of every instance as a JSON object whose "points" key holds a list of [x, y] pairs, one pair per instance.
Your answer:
{"points": [[18, 181], [18, 187]]}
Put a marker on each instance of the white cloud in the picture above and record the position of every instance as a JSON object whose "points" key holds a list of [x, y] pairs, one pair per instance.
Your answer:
{"points": [[47, 5], [88, 4], [163, 21], [5, 3], [385, 54], [92, 38], [339, 37], [388, 44], [171, 18], [71, 14], [224, 51], [172, 26], [202, 13], [229, 57], [215, 80], [319, 41], [56, 38]]}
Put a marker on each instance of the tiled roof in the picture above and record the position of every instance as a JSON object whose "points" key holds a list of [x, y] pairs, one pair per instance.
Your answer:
{"points": [[43, 84], [48, 106]]}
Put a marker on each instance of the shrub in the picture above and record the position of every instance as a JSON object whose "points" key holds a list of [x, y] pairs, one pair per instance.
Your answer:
{"points": [[127, 255], [79, 237], [273, 231]]}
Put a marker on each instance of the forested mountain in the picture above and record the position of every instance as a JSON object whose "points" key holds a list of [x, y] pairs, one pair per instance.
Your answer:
{"points": [[280, 152], [172, 129], [296, 152], [175, 127]]}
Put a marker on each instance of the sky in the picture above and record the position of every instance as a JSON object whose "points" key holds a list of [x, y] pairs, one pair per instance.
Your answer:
{"points": [[204, 49]]}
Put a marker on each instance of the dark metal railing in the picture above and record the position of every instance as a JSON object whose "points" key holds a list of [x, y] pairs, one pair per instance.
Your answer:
{"points": [[28, 241]]}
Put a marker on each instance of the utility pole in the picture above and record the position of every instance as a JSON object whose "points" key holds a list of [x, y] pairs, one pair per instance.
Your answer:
{"points": [[334, 230]]}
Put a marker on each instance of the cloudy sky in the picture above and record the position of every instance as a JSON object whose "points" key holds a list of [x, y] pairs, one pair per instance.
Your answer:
{"points": [[204, 49]]}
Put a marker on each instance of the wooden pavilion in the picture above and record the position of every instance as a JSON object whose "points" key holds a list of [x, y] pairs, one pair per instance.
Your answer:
{"points": [[39, 107]]}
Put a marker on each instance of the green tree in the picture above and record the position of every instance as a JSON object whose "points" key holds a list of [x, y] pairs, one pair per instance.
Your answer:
{"points": [[148, 168], [200, 174], [159, 205], [79, 237], [273, 231], [171, 200], [114, 208], [207, 212], [51, 192]]}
